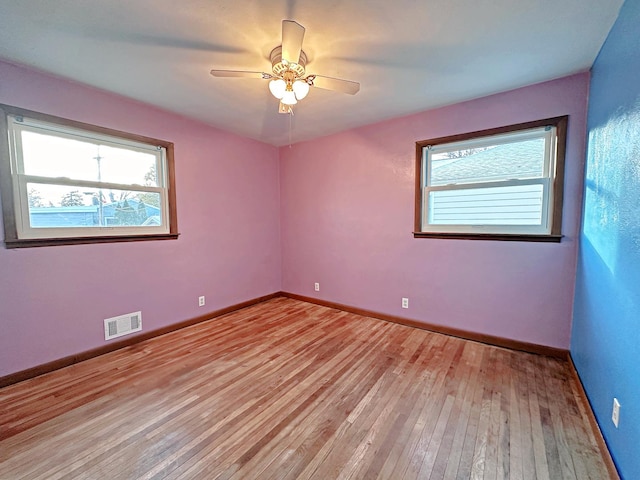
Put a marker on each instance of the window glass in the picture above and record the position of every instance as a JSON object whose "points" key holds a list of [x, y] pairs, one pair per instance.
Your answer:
{"points": [[84, 160], [496, 162], [509, 205], [65, 206]]}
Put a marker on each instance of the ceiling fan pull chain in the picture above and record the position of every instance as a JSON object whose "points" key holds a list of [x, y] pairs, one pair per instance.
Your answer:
{"points": [[290, 124]]}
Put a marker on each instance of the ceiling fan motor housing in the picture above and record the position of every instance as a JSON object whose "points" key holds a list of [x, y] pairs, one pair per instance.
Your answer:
{"points": [[279, 65]]}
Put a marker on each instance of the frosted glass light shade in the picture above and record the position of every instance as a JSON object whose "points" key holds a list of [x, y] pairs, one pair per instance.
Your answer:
{"points": [[300, 88], [289, 98], [277, 87]]}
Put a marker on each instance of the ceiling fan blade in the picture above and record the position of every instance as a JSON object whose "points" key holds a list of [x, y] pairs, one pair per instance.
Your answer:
{"points": [[292, 36], [240, 74], [335, 84]]}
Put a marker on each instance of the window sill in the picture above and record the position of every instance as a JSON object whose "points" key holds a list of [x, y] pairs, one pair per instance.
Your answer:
{"points": [[491, 236], [48, 242]]}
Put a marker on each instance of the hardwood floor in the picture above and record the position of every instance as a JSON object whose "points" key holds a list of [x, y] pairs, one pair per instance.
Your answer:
{"points": [[287, 389]]}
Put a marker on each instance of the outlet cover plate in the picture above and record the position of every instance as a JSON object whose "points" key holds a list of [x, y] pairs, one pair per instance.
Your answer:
{"points": [[615, 413]]}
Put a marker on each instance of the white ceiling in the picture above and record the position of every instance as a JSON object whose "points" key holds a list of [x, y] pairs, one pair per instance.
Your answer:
{"points": [[408, 55]]}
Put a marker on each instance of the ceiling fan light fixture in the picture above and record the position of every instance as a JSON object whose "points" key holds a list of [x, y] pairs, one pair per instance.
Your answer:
{"points": [[288, 80], [301, 89], [289, 98], [278, 88]]}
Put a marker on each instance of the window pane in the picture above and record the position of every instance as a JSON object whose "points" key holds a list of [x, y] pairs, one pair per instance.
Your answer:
{"points": [[55, 156], [519, 160], [62, 206], [509, 205]]}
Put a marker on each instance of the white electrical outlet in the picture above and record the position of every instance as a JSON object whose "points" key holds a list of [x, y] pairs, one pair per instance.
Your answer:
{"points": [[405, 303], [201, 301], [615, 413], [316, 287]]}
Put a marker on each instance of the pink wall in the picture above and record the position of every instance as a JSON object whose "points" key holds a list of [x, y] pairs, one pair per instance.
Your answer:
{"points": [[53, 299], [337, 210], [347, 209]]}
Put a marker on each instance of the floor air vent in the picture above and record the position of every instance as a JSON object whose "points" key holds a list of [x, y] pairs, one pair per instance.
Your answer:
{"points": [[122, 325]]}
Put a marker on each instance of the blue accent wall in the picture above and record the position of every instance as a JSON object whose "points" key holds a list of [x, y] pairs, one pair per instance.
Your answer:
{"points": [[605, 341]]}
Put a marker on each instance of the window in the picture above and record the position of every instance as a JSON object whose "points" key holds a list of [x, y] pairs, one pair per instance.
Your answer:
{"points": [[65, 182], [501, 184]]}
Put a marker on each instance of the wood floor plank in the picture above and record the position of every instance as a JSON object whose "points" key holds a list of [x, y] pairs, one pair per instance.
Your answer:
{"points": [[537, 433], [505, 431], [291, 390], [311, 429], [405, 379], [586, 452], [391, 446], [466, 456], [439, 447], [262, 421], [453, 453], [516, 446], [551, 447], [373, 379], [447, 452], [430, 406], [396, 447]]}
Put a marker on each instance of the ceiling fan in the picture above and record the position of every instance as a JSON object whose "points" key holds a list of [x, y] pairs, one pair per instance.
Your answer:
{"points": [[288, 82]]}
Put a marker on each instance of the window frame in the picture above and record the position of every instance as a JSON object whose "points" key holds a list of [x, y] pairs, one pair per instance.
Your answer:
{"points": [[556, 187], [13, 185]]}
